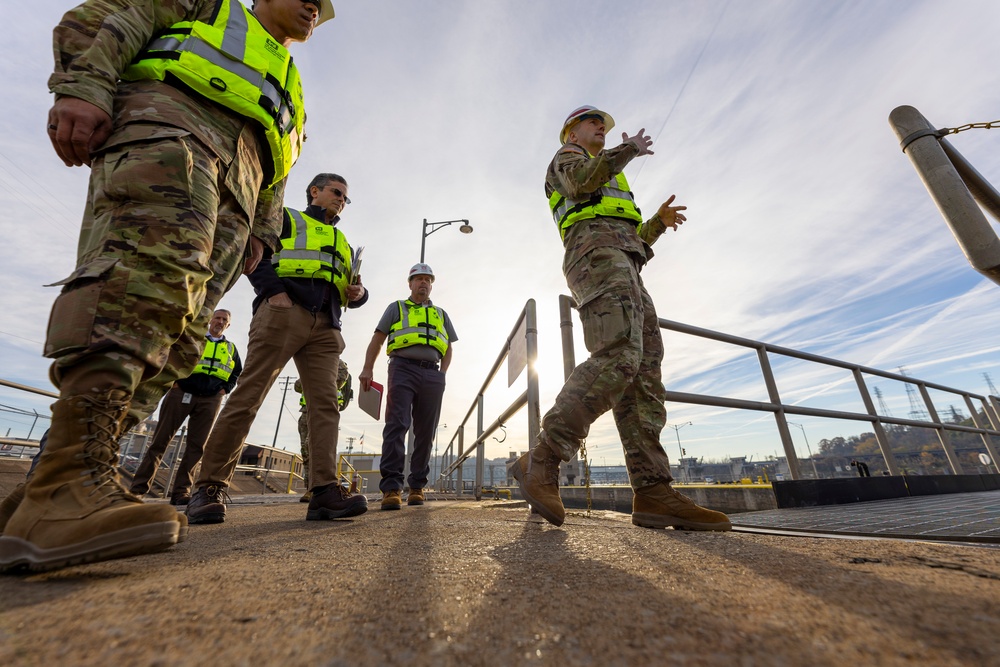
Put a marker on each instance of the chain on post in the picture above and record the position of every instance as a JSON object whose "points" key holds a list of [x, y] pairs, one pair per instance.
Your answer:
{"points": [[969, 126], [586, 472]]}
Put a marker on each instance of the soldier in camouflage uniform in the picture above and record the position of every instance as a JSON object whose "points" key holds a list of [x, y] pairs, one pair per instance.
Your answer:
{"points": [[178, 204], [607, 244]]}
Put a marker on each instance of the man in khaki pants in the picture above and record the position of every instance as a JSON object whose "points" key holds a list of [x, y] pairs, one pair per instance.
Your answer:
{"points": [[301, 290]]}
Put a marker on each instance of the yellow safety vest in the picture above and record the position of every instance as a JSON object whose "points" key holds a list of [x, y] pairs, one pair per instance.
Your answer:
{"points": [[234, 62], [314, 249], [612, 200], [340, 397], [418, 325], [218, 359]]}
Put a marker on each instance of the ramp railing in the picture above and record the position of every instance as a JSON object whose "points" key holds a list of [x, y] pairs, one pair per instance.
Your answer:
{"points": [[521, 352]]}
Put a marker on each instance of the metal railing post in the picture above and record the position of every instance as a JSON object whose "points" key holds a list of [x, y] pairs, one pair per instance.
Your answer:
{"points": [[534, 408], [919, 140], [458, 471], [480, 448], [880, 435], [943, 437], [978, 421], [779, 416]]}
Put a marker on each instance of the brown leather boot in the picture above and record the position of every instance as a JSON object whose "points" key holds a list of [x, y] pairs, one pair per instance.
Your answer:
{"points": [[334, 501], [74, 510], [660, 506], [10, 505], [415, 497], [538, 474]]}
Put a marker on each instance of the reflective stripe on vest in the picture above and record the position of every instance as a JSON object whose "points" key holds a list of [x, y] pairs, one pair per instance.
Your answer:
{"points": [[340, 398], [315, 250], [235, 62], [612, 200], [218, 360], [418, 325]]}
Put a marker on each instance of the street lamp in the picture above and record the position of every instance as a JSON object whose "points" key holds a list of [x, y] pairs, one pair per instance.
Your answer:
{"points": [[808, 449], [466, 228]]}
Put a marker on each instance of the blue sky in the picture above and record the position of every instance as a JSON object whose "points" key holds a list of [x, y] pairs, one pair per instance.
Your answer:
{"points": [[808, 227]]}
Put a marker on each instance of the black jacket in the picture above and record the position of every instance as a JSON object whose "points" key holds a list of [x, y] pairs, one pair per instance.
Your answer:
{"points": [[312, 294]]}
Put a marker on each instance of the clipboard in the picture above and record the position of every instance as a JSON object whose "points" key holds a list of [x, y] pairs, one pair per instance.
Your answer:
{"points": [[371, 401]]}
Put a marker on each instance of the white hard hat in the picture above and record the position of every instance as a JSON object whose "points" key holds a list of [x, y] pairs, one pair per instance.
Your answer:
{"points": [[325, 11], [421, 269], [579, 114]]}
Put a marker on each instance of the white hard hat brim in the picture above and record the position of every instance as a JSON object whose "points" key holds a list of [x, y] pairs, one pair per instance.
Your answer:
{"points": [[609, 123], [325, 11]]}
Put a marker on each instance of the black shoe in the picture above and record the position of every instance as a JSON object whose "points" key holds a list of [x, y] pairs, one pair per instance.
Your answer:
{"points": [[207, 505], [180, 499], [334, 502]]}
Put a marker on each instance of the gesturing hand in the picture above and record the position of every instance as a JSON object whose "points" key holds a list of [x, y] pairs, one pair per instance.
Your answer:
{"points": [[671, 216], [642, 141]]}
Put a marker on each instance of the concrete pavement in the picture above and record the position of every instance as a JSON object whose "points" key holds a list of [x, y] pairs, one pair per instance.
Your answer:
{"points": [[465, 583]]}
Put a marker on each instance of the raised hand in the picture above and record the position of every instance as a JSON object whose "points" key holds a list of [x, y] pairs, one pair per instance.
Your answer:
{"points": [[642, 141]]}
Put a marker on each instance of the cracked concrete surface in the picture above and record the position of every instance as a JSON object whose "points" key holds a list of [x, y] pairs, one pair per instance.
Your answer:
{"points": [[461, 583]]}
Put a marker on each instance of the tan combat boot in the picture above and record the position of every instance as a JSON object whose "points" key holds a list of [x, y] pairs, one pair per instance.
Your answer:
{"points": [[538, 474], [392, 500], [74, 510], [10, 505], [415, 497], [660, 506]]}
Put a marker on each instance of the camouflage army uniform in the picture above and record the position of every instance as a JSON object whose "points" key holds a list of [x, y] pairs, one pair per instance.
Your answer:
{"points": [[175, 194], [602, 263], [342, 375]]}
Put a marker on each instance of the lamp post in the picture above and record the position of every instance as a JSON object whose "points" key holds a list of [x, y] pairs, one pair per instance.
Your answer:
{"points": [[466, 228], [808, 449], [680, 450]]}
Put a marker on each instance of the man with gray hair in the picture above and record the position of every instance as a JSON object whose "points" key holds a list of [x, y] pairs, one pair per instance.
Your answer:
{"points": [[302, 290]]}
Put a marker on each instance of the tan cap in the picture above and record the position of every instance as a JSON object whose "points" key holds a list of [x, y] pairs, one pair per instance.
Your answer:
{"points": [[579, 114]]}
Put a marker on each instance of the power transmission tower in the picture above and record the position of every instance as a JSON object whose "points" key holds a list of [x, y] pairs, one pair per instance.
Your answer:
{"points": [[989, 382], [884, 409], [956, 416], [917, 412]]}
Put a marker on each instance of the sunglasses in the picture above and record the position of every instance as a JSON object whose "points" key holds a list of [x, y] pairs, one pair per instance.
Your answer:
{"points": [[343, 195]]}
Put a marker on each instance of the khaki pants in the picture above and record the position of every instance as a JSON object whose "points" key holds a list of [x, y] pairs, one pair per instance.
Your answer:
{"points": [[200, 411], [277, 335]]}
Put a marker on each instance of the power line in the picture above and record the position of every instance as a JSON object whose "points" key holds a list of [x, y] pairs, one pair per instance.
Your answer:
{"points": [[680, 93]]}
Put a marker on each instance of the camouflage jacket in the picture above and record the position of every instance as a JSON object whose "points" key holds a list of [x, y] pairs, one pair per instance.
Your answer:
{"points": [[97, 40], [574, 175]]}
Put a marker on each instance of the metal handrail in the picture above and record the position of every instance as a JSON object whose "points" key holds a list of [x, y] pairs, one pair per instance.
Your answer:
{"points": [[871, 416], [525, 327]]}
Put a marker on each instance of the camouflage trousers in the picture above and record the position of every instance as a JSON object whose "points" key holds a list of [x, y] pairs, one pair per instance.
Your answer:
{"points": [[623, 372], [304, 445], [162, 240]]}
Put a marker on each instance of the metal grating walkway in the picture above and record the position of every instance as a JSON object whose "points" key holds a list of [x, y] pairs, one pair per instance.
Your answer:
{"points": [[960, 517]]}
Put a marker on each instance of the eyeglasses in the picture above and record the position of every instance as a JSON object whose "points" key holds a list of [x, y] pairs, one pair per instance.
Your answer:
{"points": [[341, 194]]}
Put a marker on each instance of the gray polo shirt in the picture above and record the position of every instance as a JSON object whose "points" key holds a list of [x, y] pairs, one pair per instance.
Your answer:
{"points": [[417, 352]]}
